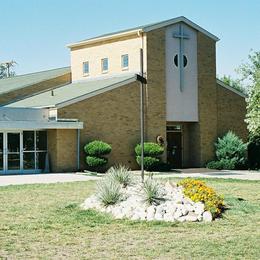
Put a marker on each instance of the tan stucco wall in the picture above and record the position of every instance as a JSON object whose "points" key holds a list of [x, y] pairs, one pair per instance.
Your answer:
{"points": [[21, 93], [110, 49], [231, 113], [62, 150]]}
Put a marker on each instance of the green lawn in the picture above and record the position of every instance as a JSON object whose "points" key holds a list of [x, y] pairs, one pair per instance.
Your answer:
{"points": [[45, 222]]}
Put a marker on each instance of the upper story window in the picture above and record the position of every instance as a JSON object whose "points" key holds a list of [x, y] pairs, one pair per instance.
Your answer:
{"points": [[85, 68], [104, 65], [124, 61]]}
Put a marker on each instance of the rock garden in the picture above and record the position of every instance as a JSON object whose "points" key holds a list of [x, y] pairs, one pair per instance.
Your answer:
{"points": [[121, 194]]}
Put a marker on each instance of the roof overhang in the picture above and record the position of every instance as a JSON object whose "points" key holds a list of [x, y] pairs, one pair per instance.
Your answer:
{"points": [[106, 38], [143, 29], [37, 125]]}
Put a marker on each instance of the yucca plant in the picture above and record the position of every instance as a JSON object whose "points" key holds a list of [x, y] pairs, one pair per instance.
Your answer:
{"points": [[108, 191], [121, 174], [152, 193]]}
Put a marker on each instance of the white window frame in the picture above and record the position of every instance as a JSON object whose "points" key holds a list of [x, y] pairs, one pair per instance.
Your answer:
{"points": [[122, 62], [83, 68], [102, 65]]}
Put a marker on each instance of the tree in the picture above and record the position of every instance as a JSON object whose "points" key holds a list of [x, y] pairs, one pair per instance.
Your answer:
{"points": [[6, 69], [250, 72], [234, 83]]}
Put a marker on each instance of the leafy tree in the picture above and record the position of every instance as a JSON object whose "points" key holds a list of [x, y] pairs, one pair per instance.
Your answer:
{"points": [[4, 68], [250, 73], [234, 83]]}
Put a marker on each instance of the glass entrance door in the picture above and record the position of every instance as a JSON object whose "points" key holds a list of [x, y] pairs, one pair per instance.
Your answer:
{"points": [[13, 151]]}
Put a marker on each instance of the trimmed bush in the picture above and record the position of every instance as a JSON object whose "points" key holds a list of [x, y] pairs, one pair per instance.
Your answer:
{"points": [[152, 152], [96, 162], [96, 150], [150, 163], [230, 153], [121, 174], [198, 191], [150, 149], [108, 191]]}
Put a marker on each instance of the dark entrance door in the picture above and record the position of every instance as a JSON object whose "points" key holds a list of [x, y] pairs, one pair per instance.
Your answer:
{"points": [[174, 149]]}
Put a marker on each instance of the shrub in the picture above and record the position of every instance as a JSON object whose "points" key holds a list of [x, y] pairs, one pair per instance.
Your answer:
{"points": [[197, 191], [150, 163], [121, 174], [230, 152], [152, 151], [97, 148], [96, 162], [254, 153], [95, 151], [108, 191], [151, 190], [227, 164]]}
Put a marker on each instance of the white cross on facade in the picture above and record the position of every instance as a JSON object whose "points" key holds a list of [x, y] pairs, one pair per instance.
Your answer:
{"points": [[182, 37]]}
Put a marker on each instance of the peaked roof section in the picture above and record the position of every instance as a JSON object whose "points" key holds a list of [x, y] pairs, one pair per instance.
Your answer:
{"points": [[224, 85], [74, 92], [144, 29], [22, 81]]}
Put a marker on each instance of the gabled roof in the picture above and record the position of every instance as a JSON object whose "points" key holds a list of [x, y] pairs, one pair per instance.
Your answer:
{"points": [[144, 29], [224, 85], [74, 92], [22, 81]]}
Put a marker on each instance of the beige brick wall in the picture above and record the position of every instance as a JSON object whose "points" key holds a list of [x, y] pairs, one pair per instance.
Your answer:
{"points": [[112, 117], [62, 149], [205, 132], [109, 49], [231, 113], [33, 89], [155, 106]]}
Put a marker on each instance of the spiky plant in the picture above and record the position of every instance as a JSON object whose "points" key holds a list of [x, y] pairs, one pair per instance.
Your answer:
{"points": [[108, 191], [121, 174], [152, 194]]}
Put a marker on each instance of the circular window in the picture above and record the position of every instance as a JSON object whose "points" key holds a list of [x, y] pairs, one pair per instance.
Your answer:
{"points": [[185, 60], [176, 60]]}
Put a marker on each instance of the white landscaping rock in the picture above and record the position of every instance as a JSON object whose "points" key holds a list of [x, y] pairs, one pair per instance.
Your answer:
{"points": [[207, 216], [174, 206]]}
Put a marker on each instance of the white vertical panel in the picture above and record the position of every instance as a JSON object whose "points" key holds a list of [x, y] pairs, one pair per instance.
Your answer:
{"points": [[181, 105]]}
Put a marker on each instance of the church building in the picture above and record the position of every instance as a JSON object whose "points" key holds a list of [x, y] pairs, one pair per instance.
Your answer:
{"points": [[46, 118]]}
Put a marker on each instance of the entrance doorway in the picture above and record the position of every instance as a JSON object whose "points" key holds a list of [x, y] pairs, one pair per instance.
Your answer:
{"points": [[22, 151], [174, 146]]}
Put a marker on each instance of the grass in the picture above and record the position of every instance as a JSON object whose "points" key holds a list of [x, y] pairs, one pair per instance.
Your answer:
{"points": [[45, 222]]}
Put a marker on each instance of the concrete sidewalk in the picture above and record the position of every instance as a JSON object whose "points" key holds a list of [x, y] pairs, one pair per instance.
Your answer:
{"points": [[225, 174], [72, 177], [43, 178]]}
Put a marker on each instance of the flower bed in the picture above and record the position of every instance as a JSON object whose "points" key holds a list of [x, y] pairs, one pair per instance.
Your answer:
{"points": [[151, 200]]}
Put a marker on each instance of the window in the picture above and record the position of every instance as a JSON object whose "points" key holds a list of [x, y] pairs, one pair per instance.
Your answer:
{"points": [[85, 68], [34, 150], [185, 60], [124, 61], [104, 65]]}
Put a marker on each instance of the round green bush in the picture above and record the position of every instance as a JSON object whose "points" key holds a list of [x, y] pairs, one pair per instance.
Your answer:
{"points": [[93, 161], [97, 148], [150, 149], [150, 163]]}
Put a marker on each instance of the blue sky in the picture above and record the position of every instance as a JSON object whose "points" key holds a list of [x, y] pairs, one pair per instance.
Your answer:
{"points": [[35, 32]]}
